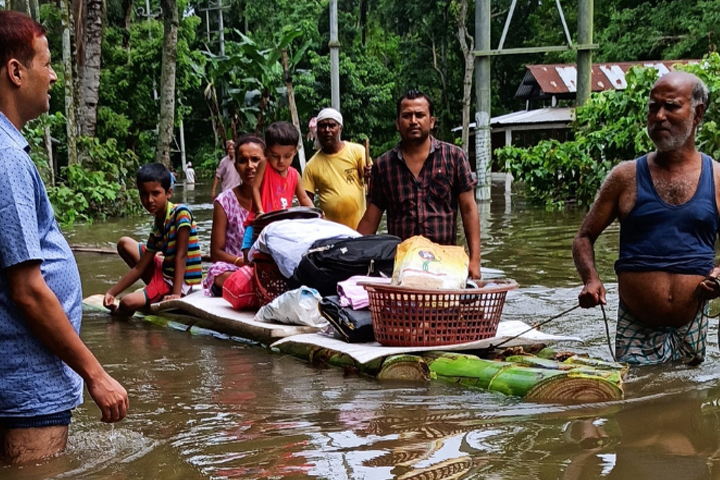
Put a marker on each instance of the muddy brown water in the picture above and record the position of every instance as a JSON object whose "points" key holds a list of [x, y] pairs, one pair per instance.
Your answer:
{"points": [[212, 408]]}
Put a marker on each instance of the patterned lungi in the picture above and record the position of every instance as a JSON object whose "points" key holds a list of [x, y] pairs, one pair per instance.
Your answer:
{"points": [[638, 344]]}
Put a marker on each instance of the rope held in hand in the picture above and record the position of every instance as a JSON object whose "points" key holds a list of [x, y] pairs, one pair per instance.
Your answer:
{"points": [[607, 333]]}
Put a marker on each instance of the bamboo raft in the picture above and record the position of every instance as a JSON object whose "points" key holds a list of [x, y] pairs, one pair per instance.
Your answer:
{"points": [[542, 377], [545, 376]]}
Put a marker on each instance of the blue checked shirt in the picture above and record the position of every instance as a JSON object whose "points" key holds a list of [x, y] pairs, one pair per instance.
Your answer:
{"points": [[33, 381]]}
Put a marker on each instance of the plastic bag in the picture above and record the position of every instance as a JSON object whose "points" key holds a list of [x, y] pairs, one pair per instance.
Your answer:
{"points": [[420, 263], [295, 307]]}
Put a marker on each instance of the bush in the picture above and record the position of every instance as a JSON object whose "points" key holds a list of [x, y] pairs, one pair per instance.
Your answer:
{"points": [[103, 185]]}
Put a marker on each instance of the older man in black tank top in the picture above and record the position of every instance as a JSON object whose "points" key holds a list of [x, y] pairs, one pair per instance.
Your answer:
{"points": [[667, 205]]}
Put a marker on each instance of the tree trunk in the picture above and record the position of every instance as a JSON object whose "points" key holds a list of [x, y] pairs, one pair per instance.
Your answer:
{"points": [[128, 9], [89, 66], [167, 82], [47, 143], [467, 43], [364, 20], [293, 108], [215, 118], [35, 8], [70, 126]]}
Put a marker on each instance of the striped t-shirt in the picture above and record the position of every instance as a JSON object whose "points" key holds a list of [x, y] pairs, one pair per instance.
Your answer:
{"points": [[163, 238]]}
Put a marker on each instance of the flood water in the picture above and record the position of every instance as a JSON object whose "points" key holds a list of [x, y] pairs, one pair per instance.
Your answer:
{"points": [[204, 407]]}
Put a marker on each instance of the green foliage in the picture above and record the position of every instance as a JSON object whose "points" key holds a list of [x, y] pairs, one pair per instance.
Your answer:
{"points": [[131, 60], [102, 186], [556, 173], [609, 128], [33, 133], [708, 138], [251, 76], [206, 160]]}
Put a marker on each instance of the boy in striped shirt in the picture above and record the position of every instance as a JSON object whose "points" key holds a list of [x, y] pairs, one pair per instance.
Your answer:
{"points": [[174, 235]]}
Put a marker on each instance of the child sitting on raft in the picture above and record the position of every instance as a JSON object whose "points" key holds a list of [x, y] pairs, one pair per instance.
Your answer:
{"points": [[174, 235], [276, 181]]}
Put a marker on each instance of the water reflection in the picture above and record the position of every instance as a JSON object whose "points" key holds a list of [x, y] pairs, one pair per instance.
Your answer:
{"points": [[208, 408], [665, 438]]}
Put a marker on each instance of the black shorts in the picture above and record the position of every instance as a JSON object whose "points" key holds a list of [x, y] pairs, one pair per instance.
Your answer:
{"points": [[38, 421]]}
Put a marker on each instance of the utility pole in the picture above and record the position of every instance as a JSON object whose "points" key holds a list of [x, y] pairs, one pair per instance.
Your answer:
{"points": [[147, 14], [217, 7], [221, 29], [484, 53], [482, 93], [183, 153], [584, 54], [334, 45]]}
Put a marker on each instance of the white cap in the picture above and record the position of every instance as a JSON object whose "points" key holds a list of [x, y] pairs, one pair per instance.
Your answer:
{"points": [[329, 113]]}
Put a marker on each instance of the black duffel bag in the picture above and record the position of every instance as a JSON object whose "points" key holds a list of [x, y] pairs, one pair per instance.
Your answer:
{"points": [[353, 326], [333, 260]]}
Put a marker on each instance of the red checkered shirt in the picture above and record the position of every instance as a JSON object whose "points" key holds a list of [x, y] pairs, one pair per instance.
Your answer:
{"points": [[426, 205]]}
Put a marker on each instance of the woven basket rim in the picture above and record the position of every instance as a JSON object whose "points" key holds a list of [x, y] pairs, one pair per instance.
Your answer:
{"points": [[503, 285]]}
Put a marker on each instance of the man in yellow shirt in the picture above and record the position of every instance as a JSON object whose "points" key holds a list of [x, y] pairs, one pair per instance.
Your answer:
{"points": [[337, 172]]}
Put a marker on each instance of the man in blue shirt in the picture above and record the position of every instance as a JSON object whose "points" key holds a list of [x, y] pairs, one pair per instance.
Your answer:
{"points": [[44, 361]]}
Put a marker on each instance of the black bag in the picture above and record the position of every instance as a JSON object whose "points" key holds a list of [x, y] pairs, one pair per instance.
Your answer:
{"points": [[353, 326], [333, 260]]}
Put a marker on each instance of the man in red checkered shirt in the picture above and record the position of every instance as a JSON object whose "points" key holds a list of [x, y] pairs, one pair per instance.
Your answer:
{"points": [[421, 182]]}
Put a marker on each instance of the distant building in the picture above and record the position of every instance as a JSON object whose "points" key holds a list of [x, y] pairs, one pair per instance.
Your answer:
{"points": [[543, 88], [559, 81]]}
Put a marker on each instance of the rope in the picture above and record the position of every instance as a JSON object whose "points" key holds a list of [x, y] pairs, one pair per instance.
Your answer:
{"points": [[539, 324], [607, 333]]}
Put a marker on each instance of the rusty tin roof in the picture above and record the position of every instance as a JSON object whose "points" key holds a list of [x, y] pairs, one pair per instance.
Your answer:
{"points": [[561, 79]]}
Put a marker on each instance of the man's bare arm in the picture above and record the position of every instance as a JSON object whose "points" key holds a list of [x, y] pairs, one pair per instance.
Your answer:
{"points": [[471, 225], [370, 222], [602, 213], [43, 313]]}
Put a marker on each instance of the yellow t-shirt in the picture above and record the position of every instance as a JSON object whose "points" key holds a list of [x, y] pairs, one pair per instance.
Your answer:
{"points": [[338, 181]]}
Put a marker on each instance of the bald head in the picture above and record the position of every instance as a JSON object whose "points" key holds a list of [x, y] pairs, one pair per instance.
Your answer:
{"points": [[683, 81]]}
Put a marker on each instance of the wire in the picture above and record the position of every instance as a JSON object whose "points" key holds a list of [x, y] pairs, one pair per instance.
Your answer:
{"points": [[539, 324]]}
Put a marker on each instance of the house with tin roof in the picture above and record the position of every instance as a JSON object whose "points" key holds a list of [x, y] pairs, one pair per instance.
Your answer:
{"points": [[547, 90]]}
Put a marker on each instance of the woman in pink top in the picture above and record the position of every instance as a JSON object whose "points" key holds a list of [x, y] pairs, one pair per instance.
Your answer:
{"points": [[230, 211]]}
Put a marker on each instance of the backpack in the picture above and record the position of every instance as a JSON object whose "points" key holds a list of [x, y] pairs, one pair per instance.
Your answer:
{"points": [[333, 260]]}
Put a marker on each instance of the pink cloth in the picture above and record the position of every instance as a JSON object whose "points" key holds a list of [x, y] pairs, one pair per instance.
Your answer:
{"points": [[354, 295], [229, 177], [236, 216], [276, 192], [239, 290]]}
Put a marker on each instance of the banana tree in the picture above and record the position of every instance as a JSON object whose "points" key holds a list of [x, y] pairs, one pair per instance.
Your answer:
{"points": [[252, 78]]}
